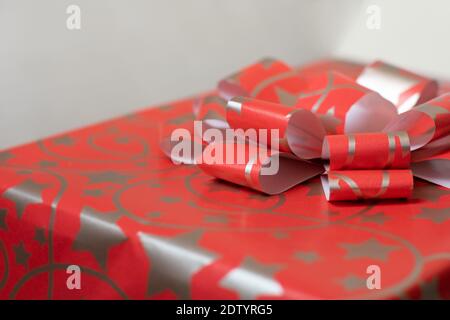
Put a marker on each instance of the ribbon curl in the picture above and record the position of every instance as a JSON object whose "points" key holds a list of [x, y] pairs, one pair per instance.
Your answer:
{"points": [[366, 137]]}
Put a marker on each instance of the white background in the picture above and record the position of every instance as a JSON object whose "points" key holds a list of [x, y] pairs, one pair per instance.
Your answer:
{"points": [[131, 54]]}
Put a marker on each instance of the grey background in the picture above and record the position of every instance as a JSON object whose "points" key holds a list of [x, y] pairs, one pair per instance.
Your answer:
{"points": [[132, 54]]}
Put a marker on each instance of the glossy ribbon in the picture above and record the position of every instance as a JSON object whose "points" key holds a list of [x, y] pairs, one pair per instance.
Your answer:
{"points": [[361, 140]]}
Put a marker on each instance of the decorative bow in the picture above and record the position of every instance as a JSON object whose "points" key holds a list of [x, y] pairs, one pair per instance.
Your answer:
{"points": [[367, 136]]}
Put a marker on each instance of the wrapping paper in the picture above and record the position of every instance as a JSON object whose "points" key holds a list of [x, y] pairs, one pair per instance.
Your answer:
{"points": [[106, 199]]}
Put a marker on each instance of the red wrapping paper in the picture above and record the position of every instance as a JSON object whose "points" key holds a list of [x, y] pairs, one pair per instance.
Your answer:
{"points": [[105, 198]]}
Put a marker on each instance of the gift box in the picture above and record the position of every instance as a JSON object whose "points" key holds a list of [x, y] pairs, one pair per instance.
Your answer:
{"points": [[106, 200]]}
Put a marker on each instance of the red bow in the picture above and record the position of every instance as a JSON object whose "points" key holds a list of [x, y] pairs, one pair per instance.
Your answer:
{"points": [[291, 126]]}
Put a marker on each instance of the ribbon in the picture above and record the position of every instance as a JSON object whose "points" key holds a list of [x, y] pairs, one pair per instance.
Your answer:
{"points": [[366, 137]]}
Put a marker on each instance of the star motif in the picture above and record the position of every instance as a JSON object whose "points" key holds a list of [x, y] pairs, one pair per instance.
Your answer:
{"points": [[173, 261], [286, 98], [378, 218], [107, 176], [25, 193], [252, 279], [39, 236], [306, 256], [21, 254], [352, 283], [98, 233], [3, 213], [371, 249], [5, 155], [63, 140], [436, 215]]}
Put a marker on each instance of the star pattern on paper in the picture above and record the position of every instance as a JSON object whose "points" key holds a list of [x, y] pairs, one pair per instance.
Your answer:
{"points": [[378, 218], [252, 279], [306, 256], [98, 233], [39, 236], [21, 254], [63, 140], [352, 282], [173, 261], [3, 213], [25, 193], [438, 215], [108, 176], [371, 249]]}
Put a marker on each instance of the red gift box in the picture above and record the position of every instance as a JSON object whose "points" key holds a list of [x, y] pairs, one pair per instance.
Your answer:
{"points": [[104, 198]]}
